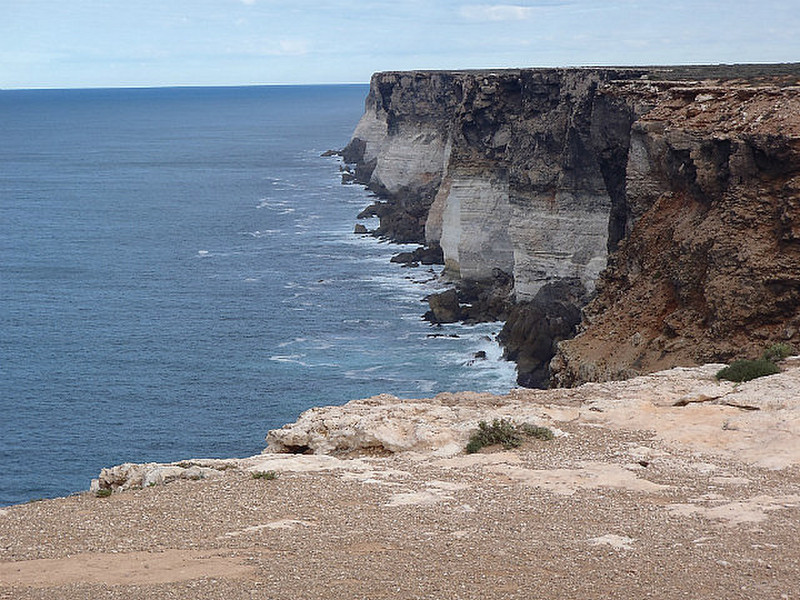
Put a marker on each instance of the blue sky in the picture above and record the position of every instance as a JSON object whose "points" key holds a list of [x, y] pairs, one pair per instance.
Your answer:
{"points": [[98, 43]]}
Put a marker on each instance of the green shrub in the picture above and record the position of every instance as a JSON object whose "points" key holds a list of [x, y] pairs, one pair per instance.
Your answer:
{"points": [[745, 370], [778, 352], [268, 475], [536, 432], [103, 493], [505, 433]]}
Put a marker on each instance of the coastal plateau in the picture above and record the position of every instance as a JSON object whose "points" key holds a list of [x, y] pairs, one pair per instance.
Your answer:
{"points": [[669, 485], [654, 212]]}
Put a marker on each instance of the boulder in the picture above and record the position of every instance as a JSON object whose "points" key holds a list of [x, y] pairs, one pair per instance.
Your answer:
{"points": [[444, 307], [533, 330]]}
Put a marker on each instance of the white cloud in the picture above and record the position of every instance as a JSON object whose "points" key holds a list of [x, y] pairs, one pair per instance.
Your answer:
{"points": [[496, 12]]}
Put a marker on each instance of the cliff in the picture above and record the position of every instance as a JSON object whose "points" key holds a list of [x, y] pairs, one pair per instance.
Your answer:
{"points": [[711, 267], [634, 188]]}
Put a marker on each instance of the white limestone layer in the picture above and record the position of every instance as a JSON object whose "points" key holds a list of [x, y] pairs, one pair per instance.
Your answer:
{"points": [[557, 237], [475, 230], [412, 158]]}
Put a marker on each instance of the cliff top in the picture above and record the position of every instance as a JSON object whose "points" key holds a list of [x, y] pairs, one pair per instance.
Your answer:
{"points": [[780, 73], [672, 485]]}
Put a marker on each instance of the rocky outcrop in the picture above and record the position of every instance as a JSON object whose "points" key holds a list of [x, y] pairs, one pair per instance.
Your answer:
{"points": [[533, 329], [679, 407], [710, 270], [663, 482], [677, 184], [400, 148], [138, 475], [429, 255], [473, 301]]}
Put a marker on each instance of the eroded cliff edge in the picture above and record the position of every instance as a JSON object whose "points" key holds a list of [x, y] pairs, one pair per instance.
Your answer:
{"points": [[667, 198]]}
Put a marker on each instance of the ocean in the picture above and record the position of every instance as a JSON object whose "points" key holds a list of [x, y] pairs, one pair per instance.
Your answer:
{"points": [[179, 274]]}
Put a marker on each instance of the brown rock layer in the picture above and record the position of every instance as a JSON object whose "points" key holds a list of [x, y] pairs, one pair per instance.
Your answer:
{"points": [[710, 270]]}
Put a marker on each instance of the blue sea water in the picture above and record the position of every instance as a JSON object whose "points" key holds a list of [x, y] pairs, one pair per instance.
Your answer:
{"points": [[178, 275]]}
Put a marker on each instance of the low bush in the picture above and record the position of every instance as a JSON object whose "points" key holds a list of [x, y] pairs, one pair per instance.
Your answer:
{"points": [[537, 432], [103, 493], [505, 433], [268, 475], [745, 370], [778, 352]]}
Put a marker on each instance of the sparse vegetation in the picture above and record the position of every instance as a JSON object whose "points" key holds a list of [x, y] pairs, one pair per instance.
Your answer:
{"points": [[505, 433], [537, 432], [745, 370], [268, 475], [778, 352], [103, 493]]}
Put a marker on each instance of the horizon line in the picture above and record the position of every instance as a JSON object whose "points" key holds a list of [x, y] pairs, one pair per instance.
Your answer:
{"points": [[419, 70], [175, 86]]}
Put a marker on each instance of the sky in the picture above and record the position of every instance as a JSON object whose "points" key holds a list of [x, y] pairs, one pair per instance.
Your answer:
{"points": [[143, 43]]}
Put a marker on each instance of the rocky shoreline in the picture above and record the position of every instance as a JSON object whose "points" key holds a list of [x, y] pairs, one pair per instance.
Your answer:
{"points": [[630, 183]]}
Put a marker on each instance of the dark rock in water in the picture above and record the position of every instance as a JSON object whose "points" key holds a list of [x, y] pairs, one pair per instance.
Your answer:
{"points": [[348, 177], [444, 307], [353, 154], [430, 255], [480, 354], [364, 171], [331, 153], [405, 258], [425, 255], [487, 300], [360, 229], [533, 329], [402, 225], [471, 301], [368, 212], [354, 151]]}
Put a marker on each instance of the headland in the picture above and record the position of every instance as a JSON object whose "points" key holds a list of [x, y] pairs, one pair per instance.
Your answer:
{"points": [[620, 220]]}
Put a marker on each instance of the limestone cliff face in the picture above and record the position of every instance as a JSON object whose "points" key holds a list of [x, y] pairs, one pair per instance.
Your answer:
{"points": [[513, 170], [674, 192], [400, 146]]}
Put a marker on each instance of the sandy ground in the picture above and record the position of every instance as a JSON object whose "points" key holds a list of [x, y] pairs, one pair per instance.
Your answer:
{"points": [[614, 508]]}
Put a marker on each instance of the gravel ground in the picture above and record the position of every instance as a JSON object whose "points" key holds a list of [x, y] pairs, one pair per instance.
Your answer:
{"points": [[598, 513]]}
